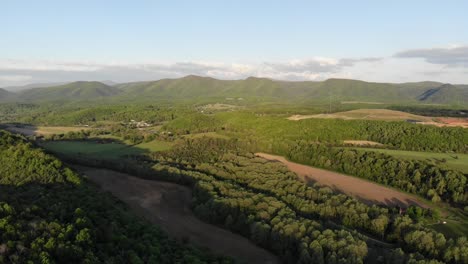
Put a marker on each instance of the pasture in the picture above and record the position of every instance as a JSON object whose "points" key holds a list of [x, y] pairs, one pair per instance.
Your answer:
{"points": [[43, 130], [107, 150]]}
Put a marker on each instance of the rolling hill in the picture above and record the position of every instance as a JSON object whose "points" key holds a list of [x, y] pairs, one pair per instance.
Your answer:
{"points": [[71, 91], [192, 87], [5, 95], [444, 94], [255, 89]]}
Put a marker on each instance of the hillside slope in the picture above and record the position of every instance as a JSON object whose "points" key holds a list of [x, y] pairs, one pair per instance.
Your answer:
{"points": [[49, 214], [5, 95], [444, 94], [257, 89], [193, 87], [71, 91]]}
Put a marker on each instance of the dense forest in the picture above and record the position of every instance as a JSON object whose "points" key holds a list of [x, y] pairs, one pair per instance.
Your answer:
{"points": [[84, 114], [264, 202], [49, 214]]}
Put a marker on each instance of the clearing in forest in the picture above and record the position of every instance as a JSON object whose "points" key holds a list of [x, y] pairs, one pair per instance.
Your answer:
{"points": [[104, 150], [361, 189], [168, 206], [42, 130], [362, 143], [368, 114]]}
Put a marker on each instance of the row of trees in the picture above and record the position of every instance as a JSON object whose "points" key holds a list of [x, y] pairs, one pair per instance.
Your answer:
{"points": [[432, 111], [49, 214], [232, 188], [60, 114], [418, 177]]}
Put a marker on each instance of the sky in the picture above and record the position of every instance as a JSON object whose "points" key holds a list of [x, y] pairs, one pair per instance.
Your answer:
{"points": [[124, 41]]}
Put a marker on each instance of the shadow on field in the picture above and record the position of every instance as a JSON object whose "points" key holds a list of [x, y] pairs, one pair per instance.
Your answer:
{"points": [[394, 202], [93, 148], [20, 128]]}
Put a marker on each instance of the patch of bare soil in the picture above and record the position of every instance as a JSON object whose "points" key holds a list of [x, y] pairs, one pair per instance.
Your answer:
{"points": [[368, 114], [363, 190], [452, 122], [362, 143], [388, 115], [168, 206]]}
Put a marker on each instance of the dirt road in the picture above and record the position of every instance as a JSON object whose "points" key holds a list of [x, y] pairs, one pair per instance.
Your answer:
{"points": [[168, 206], [361, 189]]}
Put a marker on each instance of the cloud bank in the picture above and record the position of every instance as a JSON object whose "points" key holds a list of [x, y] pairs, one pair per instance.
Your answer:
{"points": [[442, 64], [451, 57]]}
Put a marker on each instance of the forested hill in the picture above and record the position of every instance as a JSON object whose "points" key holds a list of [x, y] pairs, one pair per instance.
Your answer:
{"points": [[205, 88], [5, 95], [71, 91], [336, 89], [49, 214]]}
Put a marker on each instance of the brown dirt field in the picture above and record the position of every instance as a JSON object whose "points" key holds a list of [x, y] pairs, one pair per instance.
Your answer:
{"points": [[388, 115], [361, 189], [362, 143], [452, 121], [168, 206]]}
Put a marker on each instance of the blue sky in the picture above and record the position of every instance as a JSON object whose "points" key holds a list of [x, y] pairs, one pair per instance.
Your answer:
{"points": [[43, 41]]}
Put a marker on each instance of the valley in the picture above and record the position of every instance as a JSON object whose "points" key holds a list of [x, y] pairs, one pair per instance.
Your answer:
{"points": [[254, 180], [168, 206], [234, 132]]}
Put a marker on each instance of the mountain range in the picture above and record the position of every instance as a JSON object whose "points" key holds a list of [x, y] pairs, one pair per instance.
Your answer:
{"points": [[197, 88]]}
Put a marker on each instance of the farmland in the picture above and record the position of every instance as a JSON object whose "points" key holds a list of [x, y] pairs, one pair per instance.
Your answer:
{"points": [[368, 114], [240, 132], [168, 206], [108, 150], [456, 161], [358, 188], [42, 130]]}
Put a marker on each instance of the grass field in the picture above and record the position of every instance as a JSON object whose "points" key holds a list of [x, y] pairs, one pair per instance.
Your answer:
{"points": [[453, 160], [43, 130], [105, 150], [456, 223]]}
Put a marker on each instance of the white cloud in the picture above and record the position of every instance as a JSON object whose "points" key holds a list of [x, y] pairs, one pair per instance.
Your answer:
{"points": [[412, 65], [452, 56], [14, 78]]}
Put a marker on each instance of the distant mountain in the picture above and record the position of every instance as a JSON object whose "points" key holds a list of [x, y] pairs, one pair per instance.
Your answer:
{"points": [[191, 87], [70, 91], [32, 85], [258, 89], [5, 95]]}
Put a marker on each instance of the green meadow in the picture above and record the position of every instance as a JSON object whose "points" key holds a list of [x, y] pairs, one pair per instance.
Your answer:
{"points": [[110, 150]]}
